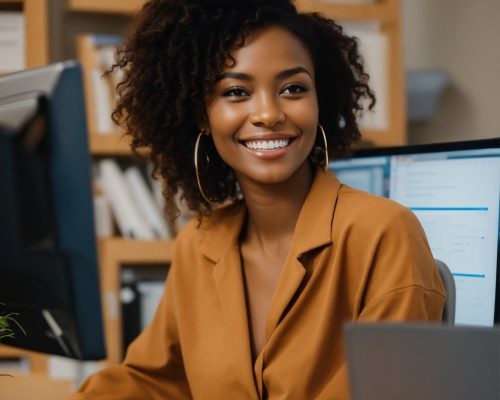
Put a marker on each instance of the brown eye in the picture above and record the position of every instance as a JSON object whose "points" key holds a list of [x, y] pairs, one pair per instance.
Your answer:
{"points": [[235, 92], [294, 88]]}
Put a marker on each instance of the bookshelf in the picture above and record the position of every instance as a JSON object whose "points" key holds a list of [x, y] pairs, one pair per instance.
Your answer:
{"points": [[106, 6], [111, 142], [387, 15], [36, 29], [115, 253]]}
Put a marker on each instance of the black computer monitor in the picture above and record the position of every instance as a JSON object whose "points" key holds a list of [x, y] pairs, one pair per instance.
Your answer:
{"points": [[454, 190], [48, 261]]}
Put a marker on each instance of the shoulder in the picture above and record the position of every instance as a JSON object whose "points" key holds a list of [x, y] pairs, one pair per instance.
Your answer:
{"points": [[363, 210], [197, 228], [385, 245], [212, 233]]}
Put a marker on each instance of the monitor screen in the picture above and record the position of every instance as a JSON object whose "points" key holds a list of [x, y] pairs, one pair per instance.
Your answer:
{"points": [[454, 190], [48, 260]]}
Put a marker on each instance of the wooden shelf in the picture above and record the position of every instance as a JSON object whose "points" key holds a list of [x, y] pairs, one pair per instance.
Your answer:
{"points": [[35, 386], [114, 253], [112, 144], [379, 12], [136, 251], [383, 138], [11, 352], [12, 4], [106, 6], [38, 361], [37, 33]]}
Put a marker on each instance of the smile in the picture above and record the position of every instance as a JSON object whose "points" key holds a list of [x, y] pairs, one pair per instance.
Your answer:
{"points": [[267, 144]]}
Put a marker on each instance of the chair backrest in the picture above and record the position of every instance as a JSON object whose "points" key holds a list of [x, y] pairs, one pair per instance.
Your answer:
{"points": [[449, 286]]}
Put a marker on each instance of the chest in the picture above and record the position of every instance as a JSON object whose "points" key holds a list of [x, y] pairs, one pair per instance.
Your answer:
{"points": [[300, 313], [261, 275]]}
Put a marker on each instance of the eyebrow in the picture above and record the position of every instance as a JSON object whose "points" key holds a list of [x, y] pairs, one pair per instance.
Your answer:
{"points": [[281, 75]]}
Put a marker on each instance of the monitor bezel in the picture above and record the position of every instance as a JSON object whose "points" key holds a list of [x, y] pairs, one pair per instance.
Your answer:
{"points": [[477, 144]]}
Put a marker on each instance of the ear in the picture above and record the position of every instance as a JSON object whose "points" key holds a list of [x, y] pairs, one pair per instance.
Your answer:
{"points": [[203, 126], [201, 119]]}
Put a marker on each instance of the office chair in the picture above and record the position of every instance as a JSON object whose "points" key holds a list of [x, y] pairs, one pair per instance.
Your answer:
{"points": [[449, 286]]}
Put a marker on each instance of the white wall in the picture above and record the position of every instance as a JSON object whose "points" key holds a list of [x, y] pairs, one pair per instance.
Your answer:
{"points": [[463, 38]]}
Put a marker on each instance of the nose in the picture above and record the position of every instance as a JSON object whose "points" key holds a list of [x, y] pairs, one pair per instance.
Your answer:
{"points": [[267, 111]]}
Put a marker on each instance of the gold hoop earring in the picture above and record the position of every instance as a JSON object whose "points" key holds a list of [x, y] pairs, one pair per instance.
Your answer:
{"points": [[325, 165], [196, 146]]}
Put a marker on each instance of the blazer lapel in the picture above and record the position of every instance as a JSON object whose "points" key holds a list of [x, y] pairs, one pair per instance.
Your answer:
{"points": [[291, 277], [220, 246], [228, 279], [313, 230]]}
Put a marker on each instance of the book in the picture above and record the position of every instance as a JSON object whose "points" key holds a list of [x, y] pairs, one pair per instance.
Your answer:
{"points": [[103, 104], [150, 293], [103, 216], [374, 48], [140, 294], [129, 220], [107, 59], [131, 316], [145, 202], [12, 41], [157, 188], [97, 51]]}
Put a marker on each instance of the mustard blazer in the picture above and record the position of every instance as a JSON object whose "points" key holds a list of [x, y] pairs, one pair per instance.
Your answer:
{"points": [[354, 257]]}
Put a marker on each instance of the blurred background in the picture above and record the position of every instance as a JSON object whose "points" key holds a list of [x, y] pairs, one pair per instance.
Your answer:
{"points": [[460, 38], [435, 67]]}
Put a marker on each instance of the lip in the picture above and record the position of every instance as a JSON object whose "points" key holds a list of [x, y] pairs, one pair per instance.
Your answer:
{"points": [[269, 154], [267, 136]]}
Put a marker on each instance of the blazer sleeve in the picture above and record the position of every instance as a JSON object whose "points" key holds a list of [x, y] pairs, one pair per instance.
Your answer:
{"points": [[153, 367], [403, 283]]}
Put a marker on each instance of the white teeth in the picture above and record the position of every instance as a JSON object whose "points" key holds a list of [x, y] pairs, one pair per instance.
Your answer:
{"points": [[267, 144]]}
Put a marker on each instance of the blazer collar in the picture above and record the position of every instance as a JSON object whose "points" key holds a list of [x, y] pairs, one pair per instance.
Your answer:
{"points": [[314, 225]]}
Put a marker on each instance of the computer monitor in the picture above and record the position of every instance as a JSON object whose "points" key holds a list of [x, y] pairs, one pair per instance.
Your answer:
{"points": [[48, 260], [454, 190]]}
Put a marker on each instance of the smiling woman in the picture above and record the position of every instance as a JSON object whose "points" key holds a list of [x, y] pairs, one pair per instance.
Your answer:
{"points": [[241, 104], [183, 54], [263, 116]]}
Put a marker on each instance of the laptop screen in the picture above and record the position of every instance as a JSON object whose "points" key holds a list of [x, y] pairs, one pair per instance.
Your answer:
{"points": [[454, 190]]}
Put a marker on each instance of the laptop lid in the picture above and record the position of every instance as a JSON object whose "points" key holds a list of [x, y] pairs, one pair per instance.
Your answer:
{"points": [[454, 190], [391, 361]]}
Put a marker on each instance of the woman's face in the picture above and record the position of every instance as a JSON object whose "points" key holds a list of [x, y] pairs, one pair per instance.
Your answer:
{"points": [[263, 114]]}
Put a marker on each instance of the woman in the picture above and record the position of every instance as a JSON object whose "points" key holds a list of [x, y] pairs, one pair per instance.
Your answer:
{"points": [[240, 104]]}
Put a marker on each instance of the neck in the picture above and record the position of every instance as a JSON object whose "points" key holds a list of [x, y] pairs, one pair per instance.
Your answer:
{"points": [[273, 210]]}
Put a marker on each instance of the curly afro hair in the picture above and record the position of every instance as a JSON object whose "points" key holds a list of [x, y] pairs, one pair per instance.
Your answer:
{"points": [[172, 57]]}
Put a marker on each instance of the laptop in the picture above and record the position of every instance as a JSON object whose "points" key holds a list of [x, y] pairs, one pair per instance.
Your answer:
{"points": [[454, 190], [396, 361]]}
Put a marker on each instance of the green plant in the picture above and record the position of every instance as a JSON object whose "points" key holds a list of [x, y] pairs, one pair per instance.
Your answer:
{"points": [[7, 322]]}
